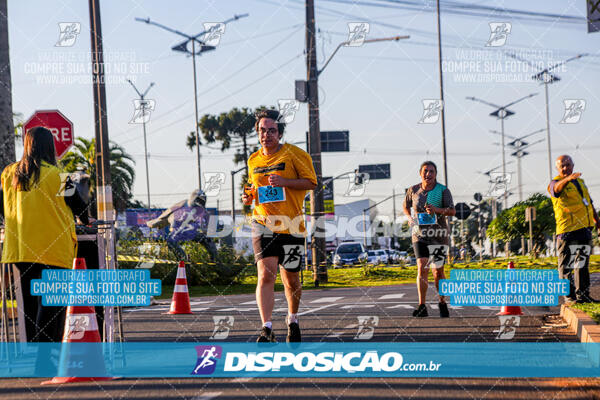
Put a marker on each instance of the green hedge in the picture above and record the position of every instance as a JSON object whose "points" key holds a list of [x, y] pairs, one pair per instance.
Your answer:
{"points": [[228, 268]]}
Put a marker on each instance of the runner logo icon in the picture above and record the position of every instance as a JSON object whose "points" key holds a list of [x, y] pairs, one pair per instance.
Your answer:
{"points": [[499, 183], [287, 110], [214, 31], [293, 254], [573, 111], [213, 182], [499, 32], [437, 254], [508, 327], [432, 109], [207, 359], [68, 33], [143, 109], [366, 327], [357, 33], [579, 255], [223, 324], [78, 324]]}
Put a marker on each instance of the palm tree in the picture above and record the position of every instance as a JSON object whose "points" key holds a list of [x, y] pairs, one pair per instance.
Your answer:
{"points": [[7, 138], [83, 158]]}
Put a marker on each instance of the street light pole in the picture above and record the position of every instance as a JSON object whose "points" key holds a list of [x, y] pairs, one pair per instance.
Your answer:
{"points": [[182, 47], [503, 157], [314, 145], [443, 112], [233, 173], [104, 200], [546, 77], [314, 139], [548, 132], [502, 112], [143, 105], [196, 116]]}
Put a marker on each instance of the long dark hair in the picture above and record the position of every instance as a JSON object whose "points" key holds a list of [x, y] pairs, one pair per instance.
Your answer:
{"points": [[38, 146]]}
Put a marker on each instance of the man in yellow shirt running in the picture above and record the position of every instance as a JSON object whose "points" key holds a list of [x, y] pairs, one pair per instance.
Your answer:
{"points": [[280, 175]]}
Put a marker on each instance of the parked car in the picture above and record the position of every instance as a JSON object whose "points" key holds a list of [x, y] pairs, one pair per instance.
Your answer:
{"points": [[392, 256], [403, 255], [349, 253], [383, 256], [373, 258]]}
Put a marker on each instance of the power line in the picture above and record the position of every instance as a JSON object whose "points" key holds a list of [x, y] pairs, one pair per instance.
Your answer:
{"points": [[218, 84], [470, 10], [221, 99]]}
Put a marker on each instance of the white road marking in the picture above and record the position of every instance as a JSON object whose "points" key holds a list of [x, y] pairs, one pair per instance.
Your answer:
{"points": [[359, 306], [326, 300], [392, 296], [316, 309], [245, 379], [200, 309], [248, 302], [238, 309], [149, 308], [194, 303], [207, 396], [407, 306]]}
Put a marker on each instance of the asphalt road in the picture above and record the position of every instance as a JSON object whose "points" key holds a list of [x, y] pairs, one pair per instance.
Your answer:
{"points": [[328, 315]]}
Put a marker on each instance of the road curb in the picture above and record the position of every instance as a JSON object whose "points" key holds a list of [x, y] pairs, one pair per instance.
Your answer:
{"points": [[586, 329]]}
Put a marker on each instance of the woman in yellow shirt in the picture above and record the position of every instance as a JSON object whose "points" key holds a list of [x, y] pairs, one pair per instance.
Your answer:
{"points": [[280, 175], [39, 228]]}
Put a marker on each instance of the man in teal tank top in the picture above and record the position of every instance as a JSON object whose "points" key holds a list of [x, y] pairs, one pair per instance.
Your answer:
{"points": [[427, 205]]}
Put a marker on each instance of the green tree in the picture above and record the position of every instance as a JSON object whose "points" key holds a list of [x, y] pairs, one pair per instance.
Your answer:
{"points": [[83, 158], [510, 224], [232, 129]]}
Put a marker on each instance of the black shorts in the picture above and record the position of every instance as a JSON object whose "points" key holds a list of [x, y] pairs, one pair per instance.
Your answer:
{"points": [[422, 249], [289, 249]]}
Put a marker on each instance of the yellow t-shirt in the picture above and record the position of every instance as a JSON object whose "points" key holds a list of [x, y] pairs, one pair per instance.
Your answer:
{"points": [[38, 225], [290, 162]]}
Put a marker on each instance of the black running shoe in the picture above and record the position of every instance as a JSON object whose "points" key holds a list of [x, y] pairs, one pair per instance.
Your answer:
{"points": [[294, 333], [420, 311], [266, 336], [444, 313]]}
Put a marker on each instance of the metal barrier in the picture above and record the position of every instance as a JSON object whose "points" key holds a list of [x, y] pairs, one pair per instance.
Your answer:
{"points": [[94, 249]]}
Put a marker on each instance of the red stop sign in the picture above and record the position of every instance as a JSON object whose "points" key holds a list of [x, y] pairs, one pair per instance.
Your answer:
{"points": [[58, 124]]}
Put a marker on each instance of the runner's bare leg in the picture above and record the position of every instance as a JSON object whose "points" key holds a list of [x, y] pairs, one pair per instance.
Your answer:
{"points": [[265, 287], [293, 289], [422, 278], [438, 273]]}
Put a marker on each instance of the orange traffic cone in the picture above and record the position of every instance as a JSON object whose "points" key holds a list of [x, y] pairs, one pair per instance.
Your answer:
{"points": [[81, 326], [181, 298], [510, 310]]}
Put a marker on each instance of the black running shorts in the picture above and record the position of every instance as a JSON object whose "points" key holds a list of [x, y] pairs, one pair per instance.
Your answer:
{"points": [[289, 249]]}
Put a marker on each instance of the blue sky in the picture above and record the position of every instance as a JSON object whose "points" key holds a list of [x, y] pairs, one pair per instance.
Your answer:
{"points": [[375, 91]]}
